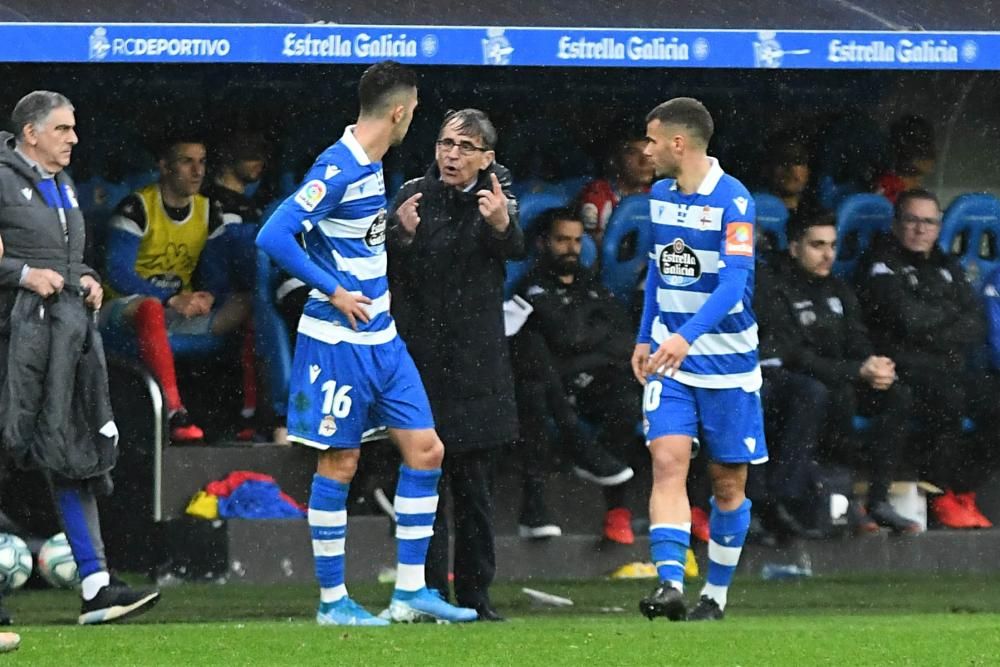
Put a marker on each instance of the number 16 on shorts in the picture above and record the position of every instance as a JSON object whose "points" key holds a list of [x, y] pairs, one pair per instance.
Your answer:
{"points": [[336, 405]]}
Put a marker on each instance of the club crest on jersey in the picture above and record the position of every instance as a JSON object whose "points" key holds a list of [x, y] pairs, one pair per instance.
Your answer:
{"points": [[311, 194], [376, 233], [328, 426], [679, 264]]}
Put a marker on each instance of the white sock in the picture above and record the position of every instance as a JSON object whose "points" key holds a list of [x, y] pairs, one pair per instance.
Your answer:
{"points": [[717, 593], [93, 583]]}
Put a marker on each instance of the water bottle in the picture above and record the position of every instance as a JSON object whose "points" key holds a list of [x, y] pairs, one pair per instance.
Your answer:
{"points": [[777, 571]]}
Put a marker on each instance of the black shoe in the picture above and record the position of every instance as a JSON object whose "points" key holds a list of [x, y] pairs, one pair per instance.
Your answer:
{"points": [[488, 613], [707, 609], [593, 463], [115, 602], [886, 516], [665, 600]]}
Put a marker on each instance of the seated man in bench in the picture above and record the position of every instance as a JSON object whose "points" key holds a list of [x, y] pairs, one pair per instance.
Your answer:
{"points": [[922, 311], [571, 360], [164, 270], [812, 322]]}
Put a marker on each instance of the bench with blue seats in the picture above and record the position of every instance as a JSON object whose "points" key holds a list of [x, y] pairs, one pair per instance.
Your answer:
{"points": [[860, 218], [772, 220], [626, 246], [970, 230]]}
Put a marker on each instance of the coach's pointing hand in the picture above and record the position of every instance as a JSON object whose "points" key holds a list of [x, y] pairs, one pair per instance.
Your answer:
{"points": [[352, 305], [408, 216], [493, 206]]}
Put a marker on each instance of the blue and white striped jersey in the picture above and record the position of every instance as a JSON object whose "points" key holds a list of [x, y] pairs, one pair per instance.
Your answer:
{"points": [[341, 207], [696, 238]]}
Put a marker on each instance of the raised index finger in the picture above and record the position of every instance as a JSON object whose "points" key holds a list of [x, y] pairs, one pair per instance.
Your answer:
{"points": [[496, 184], [412, 201]]}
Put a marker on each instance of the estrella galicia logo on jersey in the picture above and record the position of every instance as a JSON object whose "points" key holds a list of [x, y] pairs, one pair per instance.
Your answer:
{"points": [[311, 194], [376, 233], [679, 264]]}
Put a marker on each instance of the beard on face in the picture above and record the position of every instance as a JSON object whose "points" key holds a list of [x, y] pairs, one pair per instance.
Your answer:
{"points": [[565, 265]]}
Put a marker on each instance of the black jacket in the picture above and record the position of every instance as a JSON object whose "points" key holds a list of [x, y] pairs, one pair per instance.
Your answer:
{"points": [[921, 310], [583, 325], [54, 399], [812, 325], [447, 300]]}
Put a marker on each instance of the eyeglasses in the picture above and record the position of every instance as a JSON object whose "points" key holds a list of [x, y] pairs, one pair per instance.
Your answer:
{"points": [[914, 220], [464, 147]]}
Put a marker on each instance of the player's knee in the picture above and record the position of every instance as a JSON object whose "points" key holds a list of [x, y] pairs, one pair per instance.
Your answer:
{"points": [[339, 464], [729, 493], [433, 454], [668, 466]]}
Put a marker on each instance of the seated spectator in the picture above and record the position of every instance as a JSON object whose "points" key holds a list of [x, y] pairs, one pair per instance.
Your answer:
{"points": [[788, 176], [241, 163], [913, 157], [813, 332], [629, 172], [164, 273], [924, 315], [571, 361]]}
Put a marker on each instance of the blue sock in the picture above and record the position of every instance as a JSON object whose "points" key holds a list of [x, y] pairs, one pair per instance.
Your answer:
{"points": [[416, 505], [328, 525], [82, 533], [728, 531], [668, 545]]}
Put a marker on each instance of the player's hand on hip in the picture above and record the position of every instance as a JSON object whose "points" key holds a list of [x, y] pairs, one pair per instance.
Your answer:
{"points": [[94, 291], [493, 205], [668, 358], [640, 355], [352, 305], [43, 282], [409, 217]]}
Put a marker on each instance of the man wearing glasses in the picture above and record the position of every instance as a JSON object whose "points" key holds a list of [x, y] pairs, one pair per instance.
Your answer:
{"points": [[922, 312], [450, 234]]}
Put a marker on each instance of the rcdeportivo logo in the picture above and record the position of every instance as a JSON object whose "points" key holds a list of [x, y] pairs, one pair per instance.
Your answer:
{"points": [[679, 265], [376, 233]]}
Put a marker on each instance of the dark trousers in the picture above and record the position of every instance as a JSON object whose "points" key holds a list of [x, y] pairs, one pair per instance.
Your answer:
{"points": [[943, 396], [468, 476], [794, 412], [884, 446]]}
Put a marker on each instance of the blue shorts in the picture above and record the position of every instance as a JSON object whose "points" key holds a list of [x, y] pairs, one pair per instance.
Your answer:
{"points": [[339, 391], [731, 421]]}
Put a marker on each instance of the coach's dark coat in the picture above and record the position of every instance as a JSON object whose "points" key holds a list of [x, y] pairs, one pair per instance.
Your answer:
{"points": [[447, 299], [55, 409]]}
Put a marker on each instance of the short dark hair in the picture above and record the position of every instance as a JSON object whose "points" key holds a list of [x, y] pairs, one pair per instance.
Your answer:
{"points": [[35, 107], [380, 82], [800, 223], [164, 149], [907, 196], [474, 123], [685, 111], [241, 145], [548, 218]]}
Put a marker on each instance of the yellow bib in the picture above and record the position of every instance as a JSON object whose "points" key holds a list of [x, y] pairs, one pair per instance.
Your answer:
{"points": [[169, 250]]}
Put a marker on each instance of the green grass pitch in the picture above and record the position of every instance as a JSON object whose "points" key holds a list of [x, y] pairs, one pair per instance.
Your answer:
{"points": [[860, 620]]}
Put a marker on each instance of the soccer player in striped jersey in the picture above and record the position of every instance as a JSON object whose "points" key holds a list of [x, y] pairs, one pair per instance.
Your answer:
{"points": [[696, 354], [351, 371]]}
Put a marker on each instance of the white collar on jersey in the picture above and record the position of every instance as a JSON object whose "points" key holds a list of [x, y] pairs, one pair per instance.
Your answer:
{"points": [[352, 145], [711, 179]]}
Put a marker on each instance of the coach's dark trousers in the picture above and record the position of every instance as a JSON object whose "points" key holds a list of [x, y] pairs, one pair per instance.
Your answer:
{"points": [[468, 476]]}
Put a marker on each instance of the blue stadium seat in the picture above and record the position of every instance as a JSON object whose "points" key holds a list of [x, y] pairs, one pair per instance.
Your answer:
{"points": [[772, 220], [627, 243], [860, 218], [533, 204], [271, 334], [971, 231]]}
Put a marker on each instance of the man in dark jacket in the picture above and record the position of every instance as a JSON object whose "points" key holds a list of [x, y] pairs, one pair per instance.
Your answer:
{"points": [[446, 273], [811, 325], [44, 238], [571, 360], [924, 314]]}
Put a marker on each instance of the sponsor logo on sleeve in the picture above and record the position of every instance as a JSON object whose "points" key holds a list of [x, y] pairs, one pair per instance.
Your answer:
{"points": [[739, 239], [311, 195]]}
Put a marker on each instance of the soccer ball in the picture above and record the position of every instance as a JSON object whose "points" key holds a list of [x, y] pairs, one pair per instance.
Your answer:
{"points": [[15, 562], [56, 564]]}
